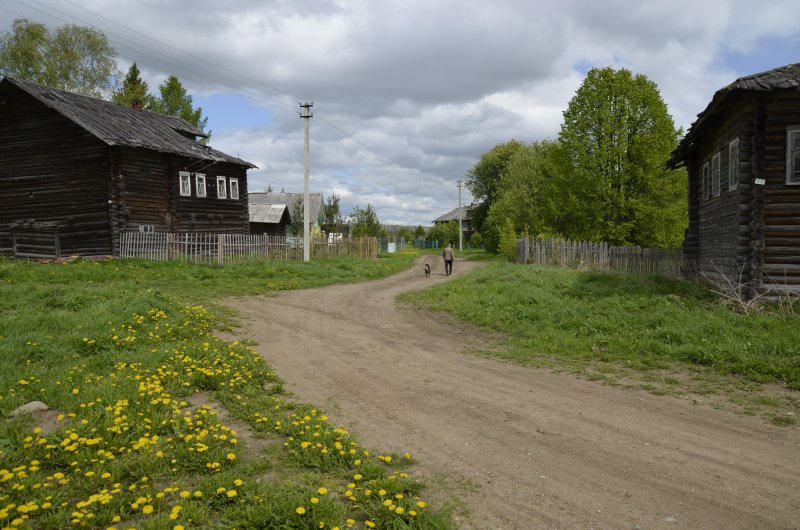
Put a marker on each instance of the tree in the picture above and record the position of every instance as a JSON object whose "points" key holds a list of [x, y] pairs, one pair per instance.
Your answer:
{"points": [[333, 215], [508, 241], [365, 222], [444, 233], [483, 179], [297, 222], [618, 135], [405, 233], [173, 100], [529, 195], [73, 58], [419, 232], [134, 90]]}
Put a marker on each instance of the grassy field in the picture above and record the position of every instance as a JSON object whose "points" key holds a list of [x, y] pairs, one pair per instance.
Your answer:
{"points": [[602, 321], [124, 353]]}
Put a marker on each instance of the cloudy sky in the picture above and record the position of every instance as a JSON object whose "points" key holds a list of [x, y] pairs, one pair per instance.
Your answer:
{"points": [[409, 93]]}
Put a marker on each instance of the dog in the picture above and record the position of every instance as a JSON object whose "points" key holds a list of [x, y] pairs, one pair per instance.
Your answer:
{"points": [[427, 268]]}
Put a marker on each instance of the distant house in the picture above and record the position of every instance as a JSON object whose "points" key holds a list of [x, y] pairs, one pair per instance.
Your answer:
{"points": [[271, 213], [452, 215], [743, 160], [76, 172]]}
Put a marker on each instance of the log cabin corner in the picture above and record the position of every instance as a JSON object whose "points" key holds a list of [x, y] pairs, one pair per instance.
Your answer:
{"points": [[76, 171], [742, 155]]}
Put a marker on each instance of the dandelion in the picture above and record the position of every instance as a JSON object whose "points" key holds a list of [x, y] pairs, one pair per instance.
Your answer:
{"points": [[148, 509], [322, 490], [231, 493], [300, 510], [369, 523], [314, 500]]}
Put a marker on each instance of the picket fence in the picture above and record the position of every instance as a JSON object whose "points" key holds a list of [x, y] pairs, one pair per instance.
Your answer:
{"points": [[600, 256], [234, 248]]}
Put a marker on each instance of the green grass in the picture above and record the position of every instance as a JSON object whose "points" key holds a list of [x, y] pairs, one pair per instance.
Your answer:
{"points": [[119, 348], [639, 321]]}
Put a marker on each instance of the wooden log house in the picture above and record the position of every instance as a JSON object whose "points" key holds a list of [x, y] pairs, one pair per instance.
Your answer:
{"points": [[742, 155], [76, 171]]}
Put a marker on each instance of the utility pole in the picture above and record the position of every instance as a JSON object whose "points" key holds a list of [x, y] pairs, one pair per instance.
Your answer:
{"points": [[460, 231], [306, 114]]}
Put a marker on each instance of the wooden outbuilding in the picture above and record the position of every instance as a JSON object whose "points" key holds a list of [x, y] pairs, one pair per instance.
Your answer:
{"points": [[742, 155], [271, 213], [76, 171]]}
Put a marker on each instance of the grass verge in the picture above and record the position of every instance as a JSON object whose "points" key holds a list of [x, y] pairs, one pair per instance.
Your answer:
{"points": [[616, 322], [118, 350]]}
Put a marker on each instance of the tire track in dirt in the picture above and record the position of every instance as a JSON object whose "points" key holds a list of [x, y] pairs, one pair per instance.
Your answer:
{"points": [[524, 447]]}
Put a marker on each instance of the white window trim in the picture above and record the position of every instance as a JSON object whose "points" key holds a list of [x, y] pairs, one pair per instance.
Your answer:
{"points": [[733, 163], [715, 188], [791, 132], [706, 181], [185, 183], [234, 183], [222, 188], [200, 184]]}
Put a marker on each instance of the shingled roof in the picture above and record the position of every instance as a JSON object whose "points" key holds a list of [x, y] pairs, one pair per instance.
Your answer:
{"points": [[782, 78], [118, 125]]}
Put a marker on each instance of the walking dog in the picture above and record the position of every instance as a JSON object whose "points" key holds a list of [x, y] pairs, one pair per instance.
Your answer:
{"points": [[427, 268]]}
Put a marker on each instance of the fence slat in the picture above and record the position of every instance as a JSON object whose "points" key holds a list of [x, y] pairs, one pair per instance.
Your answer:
{"points": [[600, 255]]}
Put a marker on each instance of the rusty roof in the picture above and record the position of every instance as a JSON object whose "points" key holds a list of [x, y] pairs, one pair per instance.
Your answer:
{"points": [[119, 125], [782, 78]]}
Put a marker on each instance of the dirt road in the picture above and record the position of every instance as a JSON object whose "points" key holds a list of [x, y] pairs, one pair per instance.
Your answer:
{"points": [[524, 448]]}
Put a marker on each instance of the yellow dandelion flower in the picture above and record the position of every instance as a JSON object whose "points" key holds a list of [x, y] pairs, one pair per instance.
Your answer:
{"points": [[322, 490], [314, 500], [369, 524], [147, 509], [231, 493], [300, 510]]}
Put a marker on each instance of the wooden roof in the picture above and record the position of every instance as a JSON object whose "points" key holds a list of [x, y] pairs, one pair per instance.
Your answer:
{"points": [[118, 125], [782, 78], [452, 215], [287, 200]]}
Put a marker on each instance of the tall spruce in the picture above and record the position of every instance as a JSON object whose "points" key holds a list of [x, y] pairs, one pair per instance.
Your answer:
{"points": [[174, 100], [134, 90]]}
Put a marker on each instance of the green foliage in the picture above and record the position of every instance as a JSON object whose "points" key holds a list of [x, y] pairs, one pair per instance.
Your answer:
{"points": [[529, 194], [618, 134], [365, 222], [444, 233], [508, 241], [641, 321], [405, 232], [297, 221], [134, 90], [173, 100], [73, 58], [333, 215], [483, 179], [476, 240], [419, 232]]}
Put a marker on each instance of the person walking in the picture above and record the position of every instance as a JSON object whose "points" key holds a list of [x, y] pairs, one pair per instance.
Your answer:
{"points": [[448, 259]]}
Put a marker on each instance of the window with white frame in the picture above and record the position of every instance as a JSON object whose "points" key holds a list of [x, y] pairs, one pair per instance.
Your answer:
{"points": [[221, 188], [733, 165], [793, 154], [234, 188], [715, 160], [185, 183], [706, 182], [200, 184]]}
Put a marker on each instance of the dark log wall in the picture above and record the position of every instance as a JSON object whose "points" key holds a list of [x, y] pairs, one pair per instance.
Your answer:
{"points": [[712, 238], [781, 230], [210, 214], [52, 171]]}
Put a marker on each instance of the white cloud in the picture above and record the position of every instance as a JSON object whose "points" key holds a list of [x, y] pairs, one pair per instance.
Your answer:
{"points": [[409, 93]]}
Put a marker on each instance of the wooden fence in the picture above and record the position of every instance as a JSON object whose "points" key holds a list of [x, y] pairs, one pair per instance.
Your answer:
{"points": [[234, 248], [600, 256]]}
